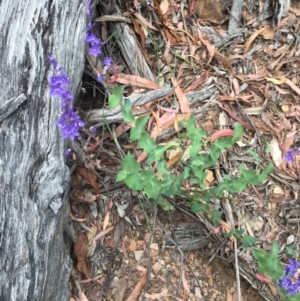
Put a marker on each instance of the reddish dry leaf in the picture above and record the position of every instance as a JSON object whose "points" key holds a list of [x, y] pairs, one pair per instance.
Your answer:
{"points": [[184, 283], [220, 134], [252, 38], [292, 85], [268, 33], [208, 271], [122, 128], [144, 21], [236, 86], [108, 243], [183, 102], [192, 7], [106, 220], [81, 248], [226, 97], [138, 289], [197, 82], [210, 48], [157, 295], [90, 177], [83, 297], [139, 30], [174, 159], [102, 233], [128, 79]]}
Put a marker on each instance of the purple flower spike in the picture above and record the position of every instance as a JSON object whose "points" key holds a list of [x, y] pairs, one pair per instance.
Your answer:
{"points": [[69, 121], [290, 282]]}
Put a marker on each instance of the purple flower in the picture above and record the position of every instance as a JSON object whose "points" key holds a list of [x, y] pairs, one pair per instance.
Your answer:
{"points": [[289, 156], [68, 152], [290, 282], [69, 121], [89, 8], [94, 41], [100, 78], [93, 129]]}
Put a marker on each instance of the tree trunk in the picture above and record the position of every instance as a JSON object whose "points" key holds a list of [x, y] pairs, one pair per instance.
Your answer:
{"points": [[34, 251]]}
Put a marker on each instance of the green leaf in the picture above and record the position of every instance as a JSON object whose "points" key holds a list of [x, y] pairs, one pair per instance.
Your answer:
{"points": [[161, 166], [116, 97], [216, 217], [132, 181], [237, 133], [134, 134], [152, 189], [292, 251], [248, 241], [267, 145], [146, 175], [129, 165], [234, 232], [118, 92], [141, 122], [113, 101], [157, 153], [126, 111], [259, 254], [146, 142], [254, 155], [121, 176], [269, 169], [199, 208]]}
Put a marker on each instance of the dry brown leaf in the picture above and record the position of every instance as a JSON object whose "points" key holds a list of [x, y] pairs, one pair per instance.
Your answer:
{"points": [[182, 100], [276, 152], [102, 233], [90, 177], [106, 220], [268, 33], [174, 159], [197, 82], [252, 38], [81, 248], [83, 297], [295, 11], [292, 85], [128, 79], [138, 289], [77, 219], [164, 6], [144, 21], [185, 283], [157, 295]]}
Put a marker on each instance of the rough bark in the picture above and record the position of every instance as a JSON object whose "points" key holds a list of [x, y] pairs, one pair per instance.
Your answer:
{"points": [[34, 253]]}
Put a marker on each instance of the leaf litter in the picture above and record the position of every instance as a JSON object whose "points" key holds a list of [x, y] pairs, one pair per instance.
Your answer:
{"points": [[251, 75]]}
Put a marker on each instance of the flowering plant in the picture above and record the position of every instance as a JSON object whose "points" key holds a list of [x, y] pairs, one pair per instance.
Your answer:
{"points": [[290, 154], [69, 121], [290, 281], [96, 44]]}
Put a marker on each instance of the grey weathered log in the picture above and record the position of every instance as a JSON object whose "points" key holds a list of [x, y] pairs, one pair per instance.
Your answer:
{"points": [[103, 116], [34, 253]]}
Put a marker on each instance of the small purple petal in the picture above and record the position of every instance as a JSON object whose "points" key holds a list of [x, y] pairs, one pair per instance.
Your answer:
{"points": [[100, 78], [289, 156], [93, 129], [68, 152], [94, 51]]}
